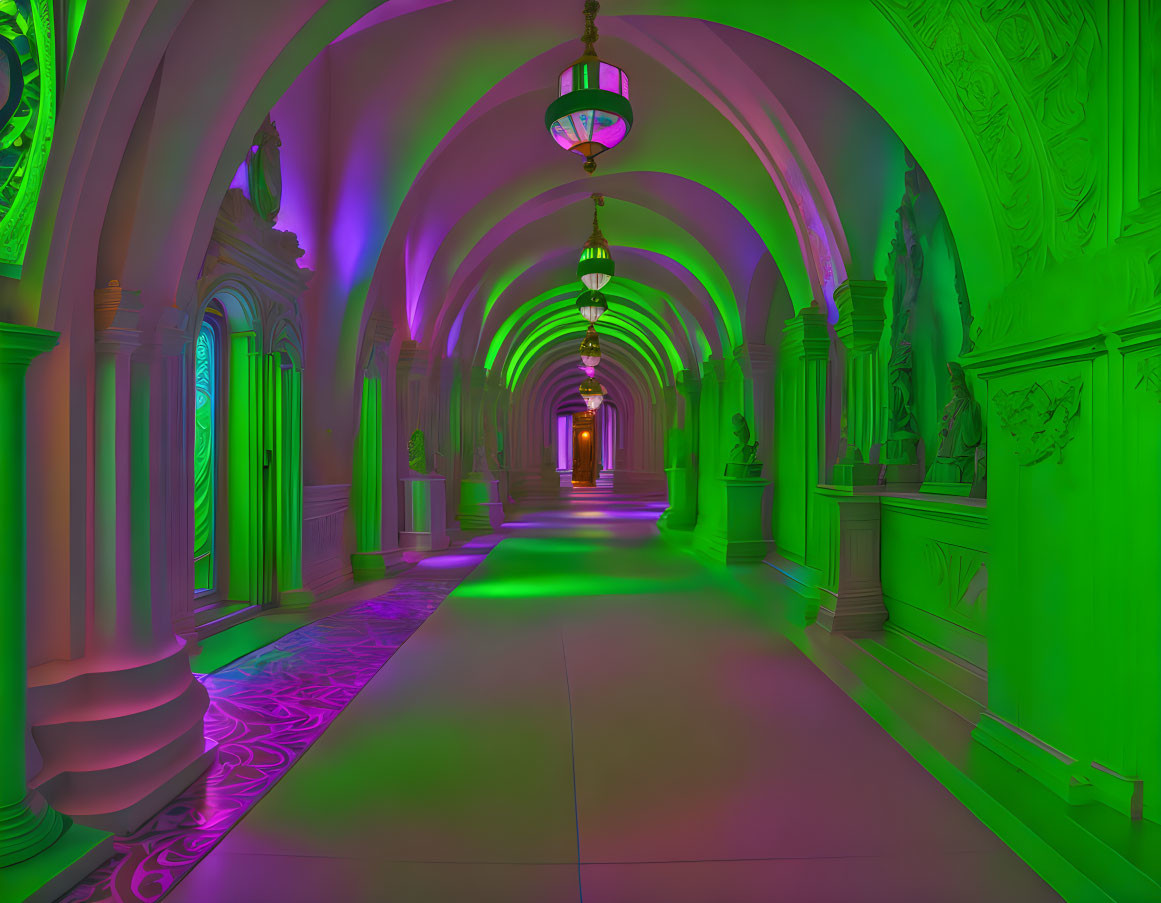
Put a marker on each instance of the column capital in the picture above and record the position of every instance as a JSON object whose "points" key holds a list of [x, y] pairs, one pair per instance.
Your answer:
{"points": [[170, 336], [805, 335], [715, 366], [116, 317], [412, 359], [861, 314], [20, 344], [754, 358], [380, 331]]}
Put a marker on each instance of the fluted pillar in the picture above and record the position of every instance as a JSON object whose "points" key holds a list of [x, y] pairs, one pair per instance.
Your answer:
{"points": [[860, 328], [117, 337], [27, 824]]}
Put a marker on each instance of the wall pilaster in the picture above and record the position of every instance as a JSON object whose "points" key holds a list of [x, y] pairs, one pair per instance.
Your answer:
{"points": [[27, 824]]}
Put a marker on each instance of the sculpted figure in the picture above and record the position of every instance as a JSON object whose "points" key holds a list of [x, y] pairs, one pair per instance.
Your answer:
{"points": [[743, 458], [417, 452], [960, 435], [264, 173]]}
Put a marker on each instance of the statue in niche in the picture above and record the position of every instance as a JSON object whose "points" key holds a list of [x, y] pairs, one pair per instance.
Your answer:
{"points": [[417, 452], [479, 460], [907, 262], [961, 434], [743, 457], [264, 173], [500, 449]]}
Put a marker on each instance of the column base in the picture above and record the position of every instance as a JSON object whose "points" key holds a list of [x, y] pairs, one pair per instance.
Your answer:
{"points": [[53, 872], [851, 612], [119, 739], [28, 828], [847, 552], [374, 565], [424, 513], [295, 598], [480, 507]]}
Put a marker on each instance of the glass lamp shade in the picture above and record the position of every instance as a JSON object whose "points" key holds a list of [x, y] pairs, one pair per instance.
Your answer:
{"points": [[592, 111], [593, 393], [592, 305], [595, 268], [590, 348]]}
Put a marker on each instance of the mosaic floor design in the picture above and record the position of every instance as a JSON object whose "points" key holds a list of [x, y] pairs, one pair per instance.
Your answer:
{"points": [[266, 709]]}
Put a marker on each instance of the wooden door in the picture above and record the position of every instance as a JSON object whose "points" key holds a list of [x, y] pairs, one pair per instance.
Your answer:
{"points": [[584, 449]]}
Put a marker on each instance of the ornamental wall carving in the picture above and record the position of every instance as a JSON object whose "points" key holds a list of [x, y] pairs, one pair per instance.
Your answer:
{"points": [[1020, 77], [1042, 418]]}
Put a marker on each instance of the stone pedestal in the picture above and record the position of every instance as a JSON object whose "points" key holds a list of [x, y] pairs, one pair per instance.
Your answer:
{"points": [[682, 511], [480, 505], [735, 536], [424, 512], [851, 593]]}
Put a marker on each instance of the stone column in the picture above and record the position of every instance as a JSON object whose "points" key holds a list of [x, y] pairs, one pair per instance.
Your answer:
{"points": [[159, 464], [289, 486], [681, 467], [860, 328], [27, 824], [480, 507], [757, 362], [117, 337], [800, 448]]}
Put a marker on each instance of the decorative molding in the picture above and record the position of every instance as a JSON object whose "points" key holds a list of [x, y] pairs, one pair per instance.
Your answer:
{"points": [[1149, 370], [962, 573], [861, 314], [1042, 418], [1020, 77], [27, 122]]}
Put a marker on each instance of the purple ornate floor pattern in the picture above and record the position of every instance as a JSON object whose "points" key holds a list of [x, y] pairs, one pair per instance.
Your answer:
{"points": [[266, 709]]}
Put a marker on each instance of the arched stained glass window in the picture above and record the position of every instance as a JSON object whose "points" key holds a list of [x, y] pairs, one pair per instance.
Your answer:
{"points": [[206, 401]]}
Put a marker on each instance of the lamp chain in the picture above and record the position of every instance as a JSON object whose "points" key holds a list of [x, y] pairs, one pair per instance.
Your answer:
{"points": [[591, 35], [598, 202]]}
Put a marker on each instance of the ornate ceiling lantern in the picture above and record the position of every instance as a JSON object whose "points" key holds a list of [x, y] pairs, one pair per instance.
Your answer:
{"points": [[593, 393], [596, 268], [590, 348], [592, 305], [591, 112]]}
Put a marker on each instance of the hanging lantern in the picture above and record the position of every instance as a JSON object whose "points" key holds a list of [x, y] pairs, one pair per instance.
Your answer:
{"points": [[592, 305], [591, 112], [590, 349], [593, 393], [595, 268]]}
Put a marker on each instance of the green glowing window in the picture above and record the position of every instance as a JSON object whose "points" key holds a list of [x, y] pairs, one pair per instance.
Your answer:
{"points": [[207, 367], [597, 253]]}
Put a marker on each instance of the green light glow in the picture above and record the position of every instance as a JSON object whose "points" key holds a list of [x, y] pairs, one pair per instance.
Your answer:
{"points": [[205, 453], [563, 322], [26, 136], [652, 328]]}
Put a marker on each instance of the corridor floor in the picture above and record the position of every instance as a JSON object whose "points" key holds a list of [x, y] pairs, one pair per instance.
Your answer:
{"points": [[595, 715]]}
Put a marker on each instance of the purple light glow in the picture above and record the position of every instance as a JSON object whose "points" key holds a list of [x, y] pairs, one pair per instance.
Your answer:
{"points": [[451, 561], [266, 709]]}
